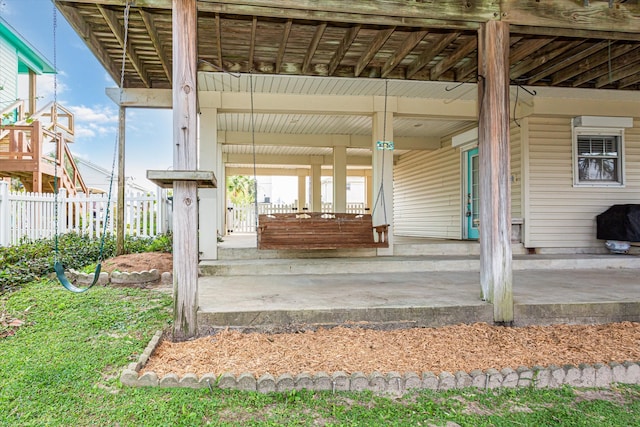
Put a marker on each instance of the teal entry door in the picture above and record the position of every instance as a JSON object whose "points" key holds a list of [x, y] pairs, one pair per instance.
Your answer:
{"points": [[472, 210]]}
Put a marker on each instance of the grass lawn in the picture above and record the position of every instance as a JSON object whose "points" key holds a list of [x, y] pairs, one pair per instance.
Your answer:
{"points": [[61, 368]]}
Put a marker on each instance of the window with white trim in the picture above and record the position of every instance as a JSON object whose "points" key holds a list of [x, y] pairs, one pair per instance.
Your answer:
{"points": [[598, 156]]}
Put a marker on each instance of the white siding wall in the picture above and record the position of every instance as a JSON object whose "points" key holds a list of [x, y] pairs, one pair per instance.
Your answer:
{"points": [[8, 74], [427, 194], [516, 172], [561, 216]]}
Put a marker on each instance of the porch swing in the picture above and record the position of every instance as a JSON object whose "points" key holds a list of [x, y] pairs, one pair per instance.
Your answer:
{"points": [[321, 230]]}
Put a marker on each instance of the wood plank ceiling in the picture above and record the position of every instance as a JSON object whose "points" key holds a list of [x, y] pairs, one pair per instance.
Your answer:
{"points": [[562, 43]]}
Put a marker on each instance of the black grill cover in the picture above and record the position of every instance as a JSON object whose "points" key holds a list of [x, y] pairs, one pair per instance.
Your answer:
{"points": [[619, 222]]}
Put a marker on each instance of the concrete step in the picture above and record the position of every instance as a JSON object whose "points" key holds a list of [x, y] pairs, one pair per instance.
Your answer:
{"points": [[396, 264]]}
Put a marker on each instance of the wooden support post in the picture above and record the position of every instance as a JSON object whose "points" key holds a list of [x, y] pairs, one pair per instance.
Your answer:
{"points": [[32, 93], [120, 225], [185, 197], [495, 191]]}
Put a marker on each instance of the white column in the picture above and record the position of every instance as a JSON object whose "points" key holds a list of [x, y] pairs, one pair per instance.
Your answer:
{"points": [[302, 189], [382, 162], [316, 191], [340, 179], [368, 190], [210, 211]]}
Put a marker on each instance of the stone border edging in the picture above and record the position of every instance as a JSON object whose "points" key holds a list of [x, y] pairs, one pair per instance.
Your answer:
{"points": [[121, 278], [597, 375]]}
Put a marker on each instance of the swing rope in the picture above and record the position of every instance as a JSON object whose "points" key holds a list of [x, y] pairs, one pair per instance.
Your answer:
{"points": [[380, 195], [57, 266]]}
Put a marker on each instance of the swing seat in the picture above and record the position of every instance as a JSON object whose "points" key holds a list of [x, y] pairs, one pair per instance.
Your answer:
{"points": [[316, 230]]}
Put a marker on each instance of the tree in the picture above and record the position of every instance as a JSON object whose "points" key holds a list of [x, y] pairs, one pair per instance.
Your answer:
{"points": [[241, 190]]}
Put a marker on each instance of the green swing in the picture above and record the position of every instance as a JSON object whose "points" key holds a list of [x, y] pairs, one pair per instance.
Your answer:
{"points": [[57, 265]]}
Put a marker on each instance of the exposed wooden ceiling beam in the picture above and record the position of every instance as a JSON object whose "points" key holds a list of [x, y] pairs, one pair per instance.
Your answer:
{"points": [[252, 42], [118, 31], [545, 55], [311, 50], [589, 63], [147, 18], [633, 79], [619, 68], [463, 72], [219, 40], [283, 45], [91, 40], [620, 60], [379, 41], [349, 36], [449, 61], [431, 52], [407, 46], [565, 61], [526, 48]]}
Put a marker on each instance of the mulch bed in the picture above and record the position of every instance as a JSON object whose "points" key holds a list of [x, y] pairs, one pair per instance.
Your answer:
{"points": [[449, 348]]}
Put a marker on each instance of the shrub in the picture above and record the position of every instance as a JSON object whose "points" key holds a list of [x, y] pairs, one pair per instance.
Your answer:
{"points": [[28, 261]]}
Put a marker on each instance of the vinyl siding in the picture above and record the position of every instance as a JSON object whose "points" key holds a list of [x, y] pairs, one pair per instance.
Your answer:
{"points": [[428, 191], [561, 216], [8, 74], [427, 194], [516, 172]]}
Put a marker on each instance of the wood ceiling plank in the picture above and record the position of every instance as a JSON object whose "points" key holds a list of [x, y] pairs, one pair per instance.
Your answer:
{"points": [[633, 79], [545, 55], [311, 50], [112, 20], [449, 61], [91, 40], [379, 41], [431, 52], [252, 42], [617, 73], [407, 46], [349, 36], [631, 55], [147, 18], [527, 47], [567, 60], [462, 73], [283, 45], [589, 62]]}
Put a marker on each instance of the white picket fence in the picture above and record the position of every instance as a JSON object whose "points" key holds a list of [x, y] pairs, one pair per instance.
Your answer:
{"points": [[242, 219], [32, 216]]}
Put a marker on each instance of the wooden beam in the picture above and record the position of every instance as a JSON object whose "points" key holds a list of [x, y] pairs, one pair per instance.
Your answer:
{"points": [[399, 54], [147, 18], [496, 276], [252, 42], [629, 81], [379, 41], [83, 29], [449, 61], [620, 68], [349, 36], [283, 45], [219, 40], [566, 61], [566, 16], [118, 31], [590, 62], [311, 50], [551, 51], [431, 52], [527, 47], [594, 72], [185, 199]]}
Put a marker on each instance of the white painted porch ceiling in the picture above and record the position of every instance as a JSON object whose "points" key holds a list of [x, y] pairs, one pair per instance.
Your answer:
{"points": [[307, 124]]}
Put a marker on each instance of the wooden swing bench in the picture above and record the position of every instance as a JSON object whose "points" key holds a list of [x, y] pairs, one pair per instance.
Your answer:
{"points": [[315, 230]]}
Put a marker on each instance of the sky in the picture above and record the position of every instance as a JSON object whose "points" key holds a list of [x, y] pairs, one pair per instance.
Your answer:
{"points": [[81, 84]]}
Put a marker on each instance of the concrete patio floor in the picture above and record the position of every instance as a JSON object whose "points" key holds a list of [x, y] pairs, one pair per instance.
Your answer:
{"points": [[280, 294]]}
